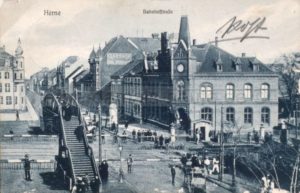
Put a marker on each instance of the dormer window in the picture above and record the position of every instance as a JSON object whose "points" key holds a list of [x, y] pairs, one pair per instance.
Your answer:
{"points": [[255, 65], [238, 65], [219, 64]]}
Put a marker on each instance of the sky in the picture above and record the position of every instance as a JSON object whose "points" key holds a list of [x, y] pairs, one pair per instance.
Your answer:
{"points": [[48, 40]]}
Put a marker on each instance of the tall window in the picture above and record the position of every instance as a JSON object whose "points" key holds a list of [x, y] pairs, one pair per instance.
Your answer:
{"points": [[207, 114], [6, 75], [180, 90], [230, 115], [16, 100], [7, 87], [248, 115], [265, 115], [1, 100], [0, 75], [8, 100], [0, 87], [247, 91], [264, 91], [206, 91], [229, 91]]}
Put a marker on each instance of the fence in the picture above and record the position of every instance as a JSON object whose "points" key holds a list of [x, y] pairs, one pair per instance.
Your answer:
{"points": [[28, 138], [35, 164]]}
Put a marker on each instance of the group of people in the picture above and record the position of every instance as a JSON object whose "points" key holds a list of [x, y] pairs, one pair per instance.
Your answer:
{"points": [[143, 135], [84, 184], [204, 162], [268, 184]]}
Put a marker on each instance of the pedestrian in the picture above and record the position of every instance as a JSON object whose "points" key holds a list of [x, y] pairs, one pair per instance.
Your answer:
{"points": [[124, 136], [207, 164], [129, 163], [95, 185], [196, 136], [264, 184], [161, 141], [249, 137], [11, 133], [173, 173], [183, 160], [105, 170], [103, 136], [134, 134], [17, 115], [126, 125], [113, 126], [79, 133], [27, 167], [215, 165], [86, 181], [139, 135]]}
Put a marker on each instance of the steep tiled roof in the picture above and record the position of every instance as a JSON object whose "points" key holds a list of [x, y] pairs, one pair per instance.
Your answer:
{"points": [[3, 56], [79, 76], [134, 66], [208, 54], [146, 44]]}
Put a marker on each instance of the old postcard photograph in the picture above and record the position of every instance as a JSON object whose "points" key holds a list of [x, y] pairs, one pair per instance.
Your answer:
{"points": [[153, 96]]}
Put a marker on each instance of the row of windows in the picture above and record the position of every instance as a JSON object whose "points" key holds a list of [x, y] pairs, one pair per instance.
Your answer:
{"points": [[7, 75], [132, 109], [132, 86], [8, 100], [7, 88], [207, 114], [206, 91]]}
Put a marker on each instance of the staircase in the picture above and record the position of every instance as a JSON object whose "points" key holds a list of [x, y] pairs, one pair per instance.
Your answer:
{"points": [[82, 163]]}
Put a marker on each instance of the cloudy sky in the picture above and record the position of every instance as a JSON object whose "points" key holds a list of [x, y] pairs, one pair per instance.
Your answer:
{"points": [[47, 40]]}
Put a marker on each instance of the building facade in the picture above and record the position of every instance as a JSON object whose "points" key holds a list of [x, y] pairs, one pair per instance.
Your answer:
{"points": [[12, 75], [204, 87]]}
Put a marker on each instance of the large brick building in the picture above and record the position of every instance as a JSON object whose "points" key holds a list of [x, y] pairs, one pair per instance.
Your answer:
{"points": [[195, 85]]}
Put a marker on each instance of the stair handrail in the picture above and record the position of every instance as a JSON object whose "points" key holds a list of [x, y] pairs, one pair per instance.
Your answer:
{"points": [[92, 157], [64, 137]]}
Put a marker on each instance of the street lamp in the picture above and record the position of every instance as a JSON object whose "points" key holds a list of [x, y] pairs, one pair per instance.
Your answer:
{"points": [[121, 170]]}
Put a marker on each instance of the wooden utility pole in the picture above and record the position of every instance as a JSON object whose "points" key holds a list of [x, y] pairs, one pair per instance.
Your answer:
{"points": [[221, 147], [100, 137]]}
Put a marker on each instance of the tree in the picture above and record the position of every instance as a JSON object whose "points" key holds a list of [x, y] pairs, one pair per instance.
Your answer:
{"points": [[288, 68]]}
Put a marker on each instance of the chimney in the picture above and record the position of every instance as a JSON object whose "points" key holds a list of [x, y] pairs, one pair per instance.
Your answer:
{"points": [[164, 42], [155, 36], [184, 31], [243, 54], [194, 42], [216, 41]]}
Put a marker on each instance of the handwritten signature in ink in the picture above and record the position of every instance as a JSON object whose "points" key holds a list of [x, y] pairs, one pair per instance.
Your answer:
{"points": [[247, 28]]}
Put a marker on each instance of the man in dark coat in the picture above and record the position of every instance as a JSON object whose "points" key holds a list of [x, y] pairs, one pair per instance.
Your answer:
{"points": [[27, 168], [173, 173], [161, 141]]}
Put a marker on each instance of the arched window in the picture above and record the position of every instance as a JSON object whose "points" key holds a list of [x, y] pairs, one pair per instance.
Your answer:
{"points": [[247, 91], [248, 115], [230, 114], [180, 90], [206, 91], [229, 91], [265, 91], [265, 115], [207, 114]]}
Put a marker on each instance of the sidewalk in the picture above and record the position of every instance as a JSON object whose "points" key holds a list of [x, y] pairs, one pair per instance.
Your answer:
{"points": [[29, 115]]}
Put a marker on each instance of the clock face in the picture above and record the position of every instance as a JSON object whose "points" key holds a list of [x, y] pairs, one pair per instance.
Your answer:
{"points": [[180, 68]]}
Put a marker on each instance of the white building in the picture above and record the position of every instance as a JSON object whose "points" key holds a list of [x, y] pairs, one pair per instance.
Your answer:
{"points": [[12, 84]]}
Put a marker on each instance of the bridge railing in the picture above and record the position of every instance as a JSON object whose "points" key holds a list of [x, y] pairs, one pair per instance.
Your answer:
{"points": [[64, 135], [88, 149]]}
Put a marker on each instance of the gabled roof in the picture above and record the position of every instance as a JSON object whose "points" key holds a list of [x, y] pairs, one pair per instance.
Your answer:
{"points": [[135, 66], [80, 75], [208, 54], [74, 72], [5, 55], [146, 44]]}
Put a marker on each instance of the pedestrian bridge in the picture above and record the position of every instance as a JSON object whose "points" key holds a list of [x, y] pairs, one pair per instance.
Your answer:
{"points": [[62, 115]]}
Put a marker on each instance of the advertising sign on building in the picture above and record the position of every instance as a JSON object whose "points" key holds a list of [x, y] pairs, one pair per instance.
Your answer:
{"points": [[118, 58]]}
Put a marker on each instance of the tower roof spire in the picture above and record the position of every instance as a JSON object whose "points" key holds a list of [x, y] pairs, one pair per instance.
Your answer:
{"points": [[184, 31]]}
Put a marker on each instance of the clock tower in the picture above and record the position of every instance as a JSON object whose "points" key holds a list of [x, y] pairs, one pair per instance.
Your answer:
{"points": [[180, 64]]}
